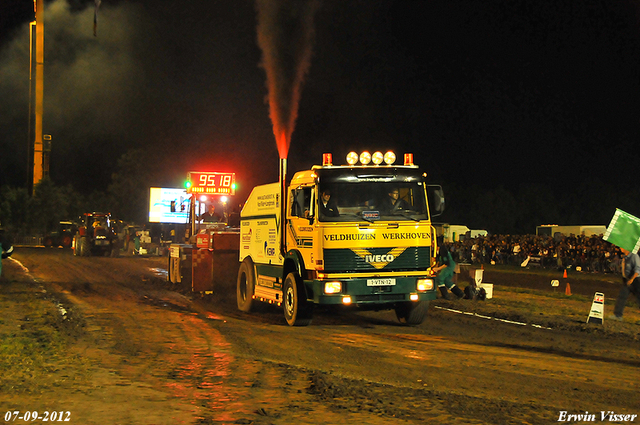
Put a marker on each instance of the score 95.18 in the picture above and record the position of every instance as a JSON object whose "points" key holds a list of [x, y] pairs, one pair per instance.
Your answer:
{"points": [[211, 182]]}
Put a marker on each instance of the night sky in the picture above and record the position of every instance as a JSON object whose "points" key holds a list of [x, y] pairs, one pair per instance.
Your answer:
{"points": [[484, 92]]}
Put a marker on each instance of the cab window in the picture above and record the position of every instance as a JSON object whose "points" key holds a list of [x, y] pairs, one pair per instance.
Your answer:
{"points": [[301, 202]]}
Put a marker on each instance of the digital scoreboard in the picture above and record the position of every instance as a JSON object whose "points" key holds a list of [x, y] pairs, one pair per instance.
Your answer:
{"points": [[210, 183]]}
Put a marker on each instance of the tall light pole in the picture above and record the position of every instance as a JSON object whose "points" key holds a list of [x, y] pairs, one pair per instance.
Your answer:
{"points": [[32, 33], [38, 154]]}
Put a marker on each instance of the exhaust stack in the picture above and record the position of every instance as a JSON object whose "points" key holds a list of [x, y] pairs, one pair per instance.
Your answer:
{"points": [[283, 204]]}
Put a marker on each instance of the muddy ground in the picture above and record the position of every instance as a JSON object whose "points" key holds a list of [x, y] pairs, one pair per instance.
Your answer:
{"points": [[109, 341]]}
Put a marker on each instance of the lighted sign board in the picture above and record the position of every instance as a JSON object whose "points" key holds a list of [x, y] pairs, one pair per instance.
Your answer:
{"points": [[211, 183], [167, 205]]}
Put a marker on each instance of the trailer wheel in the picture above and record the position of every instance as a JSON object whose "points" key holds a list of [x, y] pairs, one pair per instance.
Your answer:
{"points": [[297, 310], [412, 313], [246, 285]]}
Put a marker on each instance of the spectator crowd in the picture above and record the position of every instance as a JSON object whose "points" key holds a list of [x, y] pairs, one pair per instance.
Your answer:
{"points": [[581, 253]]}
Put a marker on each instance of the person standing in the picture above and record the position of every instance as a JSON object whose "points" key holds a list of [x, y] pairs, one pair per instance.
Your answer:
{"points": [[445, 268], [630, 282]]}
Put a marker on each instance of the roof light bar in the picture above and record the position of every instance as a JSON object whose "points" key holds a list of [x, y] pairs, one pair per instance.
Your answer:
{"points": [[365, 158]]}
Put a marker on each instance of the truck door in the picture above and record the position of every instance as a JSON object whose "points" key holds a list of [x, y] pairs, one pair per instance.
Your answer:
{"points": [[300, 226]]}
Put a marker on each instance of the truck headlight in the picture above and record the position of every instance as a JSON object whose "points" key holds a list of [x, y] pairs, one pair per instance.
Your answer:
{"points": [[424, 285], [332, 287]]}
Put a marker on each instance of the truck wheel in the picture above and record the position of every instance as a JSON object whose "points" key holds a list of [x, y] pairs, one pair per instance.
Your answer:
{"points": [[412, 313], [47, 242], [115, 251], [246, 285], [297, 310]]}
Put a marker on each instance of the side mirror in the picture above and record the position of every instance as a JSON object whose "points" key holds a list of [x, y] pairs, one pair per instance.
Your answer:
{"points": [[436, 200]]}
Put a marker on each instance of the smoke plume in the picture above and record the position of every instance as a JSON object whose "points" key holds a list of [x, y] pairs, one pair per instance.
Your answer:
{"points": [[285, 35]]}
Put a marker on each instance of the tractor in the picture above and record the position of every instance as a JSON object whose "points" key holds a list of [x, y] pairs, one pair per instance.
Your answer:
{"points": [[62, 236], [96, 235]]}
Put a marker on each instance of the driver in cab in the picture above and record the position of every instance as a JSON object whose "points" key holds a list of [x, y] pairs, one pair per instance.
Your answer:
{"points": [[393, 202], [327, 205], [210, 216]]}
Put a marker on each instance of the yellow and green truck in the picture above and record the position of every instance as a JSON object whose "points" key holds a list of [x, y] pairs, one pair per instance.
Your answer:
{"points": [[370, 252]]}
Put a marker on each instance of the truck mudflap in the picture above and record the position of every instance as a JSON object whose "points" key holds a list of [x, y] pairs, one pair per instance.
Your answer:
{"points": [[369, 291]]}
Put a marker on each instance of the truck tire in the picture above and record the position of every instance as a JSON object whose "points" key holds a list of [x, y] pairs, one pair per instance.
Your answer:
{"points": [[412, 313], [47, 242], [297, 310], [115, 251], [75, 245], [246, 285]]}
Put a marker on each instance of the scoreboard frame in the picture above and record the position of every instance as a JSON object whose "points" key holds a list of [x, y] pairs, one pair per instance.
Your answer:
{"points": [[211, 183]]}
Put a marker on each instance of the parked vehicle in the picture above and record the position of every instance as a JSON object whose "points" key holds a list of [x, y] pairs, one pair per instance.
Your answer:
{"points": [[62, 236]]}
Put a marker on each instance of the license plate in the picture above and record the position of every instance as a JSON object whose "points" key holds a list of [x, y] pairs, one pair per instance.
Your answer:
{"points": [[381, 282]]}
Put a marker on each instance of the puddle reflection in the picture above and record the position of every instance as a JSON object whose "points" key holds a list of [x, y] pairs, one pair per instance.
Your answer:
{"points": [[158, 272]]}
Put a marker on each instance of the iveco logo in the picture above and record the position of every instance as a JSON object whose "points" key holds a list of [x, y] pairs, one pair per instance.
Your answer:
{"points": [[379, 258], [378, 261]]}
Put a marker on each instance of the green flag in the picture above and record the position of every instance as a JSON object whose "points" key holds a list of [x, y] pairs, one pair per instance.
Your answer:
{"points": [[624, 231]]}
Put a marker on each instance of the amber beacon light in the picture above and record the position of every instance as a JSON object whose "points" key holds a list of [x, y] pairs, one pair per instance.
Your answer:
{"points": [[408, 159], [327, 160]]}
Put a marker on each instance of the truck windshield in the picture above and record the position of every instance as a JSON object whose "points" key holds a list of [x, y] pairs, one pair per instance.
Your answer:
{"points": [[372, 201]]}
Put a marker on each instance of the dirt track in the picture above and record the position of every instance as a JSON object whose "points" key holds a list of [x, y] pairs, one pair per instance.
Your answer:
{"points": [[144, 353]]}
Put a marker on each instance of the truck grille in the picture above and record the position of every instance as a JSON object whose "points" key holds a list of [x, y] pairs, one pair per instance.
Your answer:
{"points": [[346, 261]]}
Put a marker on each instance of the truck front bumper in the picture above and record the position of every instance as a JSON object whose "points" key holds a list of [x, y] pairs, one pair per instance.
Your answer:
{"points": [[367, 291]]}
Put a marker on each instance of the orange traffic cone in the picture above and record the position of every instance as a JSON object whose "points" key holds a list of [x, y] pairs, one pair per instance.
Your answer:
{"points": [[565, 274], [567, 290]]}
